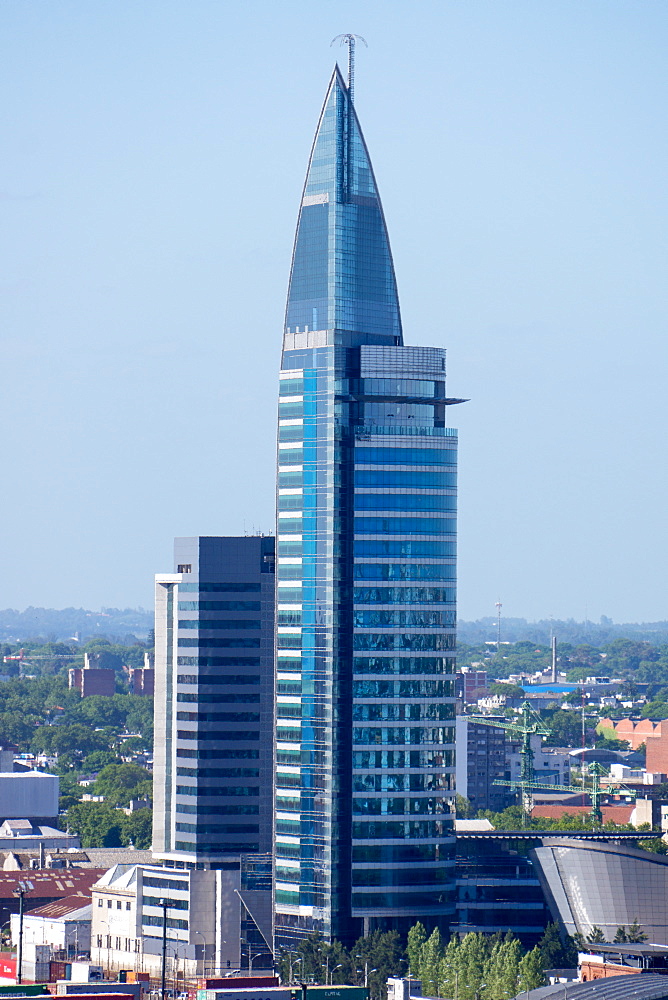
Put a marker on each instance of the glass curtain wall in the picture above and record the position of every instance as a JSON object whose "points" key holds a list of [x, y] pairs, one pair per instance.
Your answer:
{"points": [[365, 575]]}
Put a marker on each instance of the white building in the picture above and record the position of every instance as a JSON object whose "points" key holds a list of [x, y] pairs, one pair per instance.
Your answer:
{"points": [[63, 925], [29, 795], [204, 917]]}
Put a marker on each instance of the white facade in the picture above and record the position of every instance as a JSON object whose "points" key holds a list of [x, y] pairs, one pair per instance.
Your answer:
{"points": [[203, 920], [28, 795], [69, 933]]}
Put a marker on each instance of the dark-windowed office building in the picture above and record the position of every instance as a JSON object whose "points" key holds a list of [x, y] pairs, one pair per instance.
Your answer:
{"points": [[214, 700], [365, 575]]}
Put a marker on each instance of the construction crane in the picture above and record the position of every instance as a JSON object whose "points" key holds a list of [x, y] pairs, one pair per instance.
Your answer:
{"points": [[530, 724], [526, 725]]}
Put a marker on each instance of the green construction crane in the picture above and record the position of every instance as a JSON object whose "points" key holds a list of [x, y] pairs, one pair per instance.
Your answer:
{"points": [[530, 724]]}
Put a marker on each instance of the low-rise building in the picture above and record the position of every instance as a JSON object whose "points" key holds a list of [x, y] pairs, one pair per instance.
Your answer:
{"points": [[213, 917], [63, 925]]}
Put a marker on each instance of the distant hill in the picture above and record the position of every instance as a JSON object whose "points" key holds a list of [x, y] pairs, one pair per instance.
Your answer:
{"points": [[58, 626], [596, 634]]}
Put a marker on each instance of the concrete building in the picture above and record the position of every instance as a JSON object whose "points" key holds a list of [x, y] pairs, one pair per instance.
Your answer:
{"points": [[92, 680], [30, 796], [481, 760], [142, 681], [472, 683], [212, 774], [207, 917], [24, 835]]}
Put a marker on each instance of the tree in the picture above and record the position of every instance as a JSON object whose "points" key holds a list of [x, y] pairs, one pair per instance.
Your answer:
{"points": [[121, 782], [635, 933], [97, 824], [565, 729], [656, 845], [137, 829], [557, 952], [416, 940], [509, 690], [463, 808], [531, 970], [380, 954], [596, 936], [473, 954], [620, 937], [430, 958]]}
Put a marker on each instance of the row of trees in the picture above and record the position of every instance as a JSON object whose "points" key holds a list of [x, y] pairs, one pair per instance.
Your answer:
{"points": [[634, 659], [634, 934], [476, 967], [369, 962]]}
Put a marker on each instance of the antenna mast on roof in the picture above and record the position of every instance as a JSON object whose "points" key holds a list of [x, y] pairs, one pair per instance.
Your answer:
{"points": [[350, 40]]}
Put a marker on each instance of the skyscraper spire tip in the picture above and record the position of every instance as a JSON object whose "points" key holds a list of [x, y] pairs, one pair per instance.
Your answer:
{"points": [[349, 40]]}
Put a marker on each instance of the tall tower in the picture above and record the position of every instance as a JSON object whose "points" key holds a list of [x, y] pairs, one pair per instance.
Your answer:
{"points": [[366, 574]]}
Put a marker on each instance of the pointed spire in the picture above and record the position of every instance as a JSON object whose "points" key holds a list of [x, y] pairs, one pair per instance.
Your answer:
{"points": [[350, 40], [342, 277]]}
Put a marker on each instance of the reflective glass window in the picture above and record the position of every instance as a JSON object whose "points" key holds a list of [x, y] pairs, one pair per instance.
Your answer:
{"points": [[405, 456], [405, 525]]}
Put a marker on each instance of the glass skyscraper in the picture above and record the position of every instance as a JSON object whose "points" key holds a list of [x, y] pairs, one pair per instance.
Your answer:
{"points": [[365, 575]]}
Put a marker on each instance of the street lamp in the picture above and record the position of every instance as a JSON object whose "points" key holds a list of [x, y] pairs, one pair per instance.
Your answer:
{"points": [[22, 890], [292, 964], [164, 903], [199, 933], [331, 974], [367, 970]]}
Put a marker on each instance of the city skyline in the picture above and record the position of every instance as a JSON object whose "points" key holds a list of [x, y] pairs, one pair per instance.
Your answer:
{"points": [[151, 167]]}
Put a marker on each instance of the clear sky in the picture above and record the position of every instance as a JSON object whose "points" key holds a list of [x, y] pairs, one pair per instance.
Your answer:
{"points": [[153, 157]]}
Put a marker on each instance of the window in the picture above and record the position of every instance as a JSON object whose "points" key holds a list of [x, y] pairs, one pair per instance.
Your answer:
{"points": [[99, 940], [119, 905], [184, 568], [118, 944], [100, 902], [108, 904], [128, 906]]}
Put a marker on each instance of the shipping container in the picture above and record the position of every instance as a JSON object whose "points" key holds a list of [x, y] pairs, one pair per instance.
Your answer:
{"points": [[332, 993], [236, 982]]}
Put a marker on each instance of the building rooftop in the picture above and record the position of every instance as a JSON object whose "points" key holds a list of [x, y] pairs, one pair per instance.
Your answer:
{"points": [[77, 907], [644, 987], [107, 857], [50, 883]]}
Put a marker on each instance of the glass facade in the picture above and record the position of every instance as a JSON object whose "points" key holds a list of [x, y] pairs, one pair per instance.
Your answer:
{"points": [[366, 537]]}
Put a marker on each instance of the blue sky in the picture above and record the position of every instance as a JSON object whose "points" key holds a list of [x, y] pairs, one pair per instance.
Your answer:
{"points": [[154, 154]]}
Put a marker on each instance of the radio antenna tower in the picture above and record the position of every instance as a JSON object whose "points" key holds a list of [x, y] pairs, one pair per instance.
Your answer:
{"points": [[498, 607], [350, 40]]}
